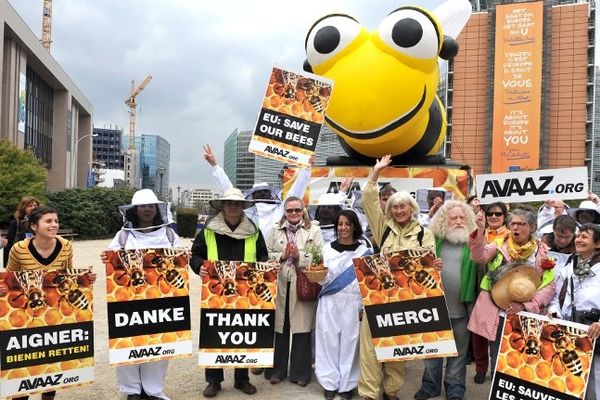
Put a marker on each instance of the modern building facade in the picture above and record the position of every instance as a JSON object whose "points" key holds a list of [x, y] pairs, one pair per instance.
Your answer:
{"points": [[155, 160], [107, 147], [531, 106], [41, 108], [238, 162]]}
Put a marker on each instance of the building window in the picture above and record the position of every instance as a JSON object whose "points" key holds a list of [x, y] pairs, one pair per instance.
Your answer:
{"points": [[38, 128]]}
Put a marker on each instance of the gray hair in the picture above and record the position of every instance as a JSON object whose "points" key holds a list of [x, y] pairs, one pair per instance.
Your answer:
{"points": [[402, 197], [439, 222], [529, 216]]}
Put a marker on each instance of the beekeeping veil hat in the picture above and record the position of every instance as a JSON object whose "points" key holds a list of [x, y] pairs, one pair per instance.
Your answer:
{"points": [[141, 197]]}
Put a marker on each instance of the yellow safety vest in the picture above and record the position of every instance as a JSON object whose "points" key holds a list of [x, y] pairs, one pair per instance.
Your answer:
{"points": [[212, 251]]}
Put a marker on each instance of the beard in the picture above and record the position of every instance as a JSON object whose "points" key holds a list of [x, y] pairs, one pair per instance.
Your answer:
{"points": [[457, 235]]}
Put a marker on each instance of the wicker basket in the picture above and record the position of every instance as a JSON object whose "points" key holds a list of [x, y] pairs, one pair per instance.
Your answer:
{"points": [[315, 273]]}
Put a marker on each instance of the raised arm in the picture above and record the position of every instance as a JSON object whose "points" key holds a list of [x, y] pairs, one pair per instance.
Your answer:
{"points": [[219, 175]]}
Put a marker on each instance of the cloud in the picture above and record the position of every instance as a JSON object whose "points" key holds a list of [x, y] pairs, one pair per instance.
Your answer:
{"points": [[210, 61]]}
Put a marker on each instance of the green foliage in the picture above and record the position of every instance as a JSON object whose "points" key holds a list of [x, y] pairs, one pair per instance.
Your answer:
{"points": [[22, 175], [187, 219], [315, 252], [91, 212]]}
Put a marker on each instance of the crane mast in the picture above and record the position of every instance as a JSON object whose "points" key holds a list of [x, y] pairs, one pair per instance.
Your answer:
{"points": [[132, 176], [46, 39]]}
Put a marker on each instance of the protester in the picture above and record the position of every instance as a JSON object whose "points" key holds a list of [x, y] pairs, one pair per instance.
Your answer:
{"points": [[230, 235], [287, 242], [45, 250], [396, 229], [451, 226], [551, 209], [435, 199], [586, 213], [519, 246], [384, 195], [495, 220], [475, 204], [581, 300], [145, 226], [328, 207], [18, 228], [268, 208], [338, 310]]}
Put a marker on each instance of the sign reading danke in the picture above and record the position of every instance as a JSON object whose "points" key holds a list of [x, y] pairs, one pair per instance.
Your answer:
{"points": [[540, 185]]}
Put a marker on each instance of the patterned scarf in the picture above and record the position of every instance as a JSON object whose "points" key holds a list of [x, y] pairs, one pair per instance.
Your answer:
{"points": [[520, 252], [583, 269], [291, 235]]}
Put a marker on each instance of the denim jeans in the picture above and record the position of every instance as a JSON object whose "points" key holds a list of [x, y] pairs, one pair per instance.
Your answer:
{"points": [[456, 367]]}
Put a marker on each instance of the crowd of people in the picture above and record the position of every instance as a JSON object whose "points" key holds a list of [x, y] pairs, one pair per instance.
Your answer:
{"points": [[474, 245]]}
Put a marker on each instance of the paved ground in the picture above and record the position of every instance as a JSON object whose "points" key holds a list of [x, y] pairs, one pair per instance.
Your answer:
{"points": [[185, 380]]}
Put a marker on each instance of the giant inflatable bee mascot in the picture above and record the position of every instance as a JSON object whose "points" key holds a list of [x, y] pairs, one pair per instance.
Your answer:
{"points": [[384, 99]]}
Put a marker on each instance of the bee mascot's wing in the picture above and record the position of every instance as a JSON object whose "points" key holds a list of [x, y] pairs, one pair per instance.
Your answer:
{"points": [[453, 15]]}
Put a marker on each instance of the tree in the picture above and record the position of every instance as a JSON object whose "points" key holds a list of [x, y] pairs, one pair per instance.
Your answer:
{"points": [[22, 175]]}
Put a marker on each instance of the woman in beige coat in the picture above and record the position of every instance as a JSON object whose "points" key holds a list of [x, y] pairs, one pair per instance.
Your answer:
{"points": [[395, 228], [286, 243]]}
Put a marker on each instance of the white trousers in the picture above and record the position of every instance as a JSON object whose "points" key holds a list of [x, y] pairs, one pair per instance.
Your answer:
{"points": [[336, 348], [150, 376]]}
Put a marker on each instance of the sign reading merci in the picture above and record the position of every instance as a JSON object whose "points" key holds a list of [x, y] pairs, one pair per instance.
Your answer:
{"points": [[540, 185]]}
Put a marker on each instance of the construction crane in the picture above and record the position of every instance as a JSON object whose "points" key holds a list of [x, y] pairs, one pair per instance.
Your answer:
{"points": [[131, 158], [46, 39]]}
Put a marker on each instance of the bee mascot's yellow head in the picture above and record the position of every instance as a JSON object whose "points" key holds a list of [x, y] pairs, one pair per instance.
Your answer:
{"points": [[384, 98]]}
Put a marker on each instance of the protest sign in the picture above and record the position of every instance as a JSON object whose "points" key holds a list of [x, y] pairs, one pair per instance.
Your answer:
{"points": [[237, 314], [540, 185], [410, 179], [291, 116], [540, 358], [148, 305], [405, 305], [46, 331]]}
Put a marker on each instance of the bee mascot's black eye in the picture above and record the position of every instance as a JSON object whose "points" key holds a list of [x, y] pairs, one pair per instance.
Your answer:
{"points": [[327, 39], [407, 32]]}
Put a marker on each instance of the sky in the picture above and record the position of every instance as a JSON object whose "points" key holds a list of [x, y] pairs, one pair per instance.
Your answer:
{"points": [[210, 61]]}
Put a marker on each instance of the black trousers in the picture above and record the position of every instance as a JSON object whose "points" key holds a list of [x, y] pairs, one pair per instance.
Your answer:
{"points": [[299, 357], [27, 397], [215, 375]]}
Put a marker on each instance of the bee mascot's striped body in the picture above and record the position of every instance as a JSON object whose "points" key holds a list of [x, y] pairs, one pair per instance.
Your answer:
{"points": [[384, 98]]}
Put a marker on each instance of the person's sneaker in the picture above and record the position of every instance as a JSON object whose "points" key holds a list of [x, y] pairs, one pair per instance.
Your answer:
{"points": [[211, 390], [422, 395], [246, 387], [346, 395], [134, 397], [329, 394], [479, 377], [257, 371]]}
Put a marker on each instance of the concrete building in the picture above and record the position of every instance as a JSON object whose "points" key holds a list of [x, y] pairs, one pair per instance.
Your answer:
{"points": [[41, 108], [155, 161], [238, 162], [554, 78], [107, 147], [199, 197]]}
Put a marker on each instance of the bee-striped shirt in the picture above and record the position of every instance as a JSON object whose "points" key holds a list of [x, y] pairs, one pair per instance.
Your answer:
{"points": [[23, 256]]}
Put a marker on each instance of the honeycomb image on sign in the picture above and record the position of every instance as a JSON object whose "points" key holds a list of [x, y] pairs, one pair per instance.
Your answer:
{"points": [[238, 285], [38, 299], [401, 276], [293, 94], [545, 352], [451, 179], [143, 274]]}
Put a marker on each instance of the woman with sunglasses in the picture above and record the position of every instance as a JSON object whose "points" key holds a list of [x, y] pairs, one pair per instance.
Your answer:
{"points": [[495, 221], [520, 246], [286, 243], [581, 302]]}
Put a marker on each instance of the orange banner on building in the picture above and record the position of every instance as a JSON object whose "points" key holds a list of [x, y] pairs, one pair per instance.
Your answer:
{"points": [[517, 87]]}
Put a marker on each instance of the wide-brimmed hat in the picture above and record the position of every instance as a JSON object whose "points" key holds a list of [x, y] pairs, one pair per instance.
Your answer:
{"points": [[231, 194], [514, 283], [144, 196], [586, 205]]}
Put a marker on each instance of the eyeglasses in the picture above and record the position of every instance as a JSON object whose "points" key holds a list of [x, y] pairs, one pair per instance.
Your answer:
{"points": [[518, 224], [494, 213], [293, 210]]}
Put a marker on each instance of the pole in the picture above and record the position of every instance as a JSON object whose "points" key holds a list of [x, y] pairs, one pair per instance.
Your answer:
{"points": [[161, 172]]}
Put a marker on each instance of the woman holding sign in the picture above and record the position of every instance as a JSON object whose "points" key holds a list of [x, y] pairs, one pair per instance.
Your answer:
{"points": [[395, 229], [519, 246], [145, 226], [45, 250]]}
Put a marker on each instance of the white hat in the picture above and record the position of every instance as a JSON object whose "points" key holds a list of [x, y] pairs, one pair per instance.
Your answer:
{"points": [[331, 199], [144, 196], [275, 192], [548, 227], [586, 205], [231, 194]]}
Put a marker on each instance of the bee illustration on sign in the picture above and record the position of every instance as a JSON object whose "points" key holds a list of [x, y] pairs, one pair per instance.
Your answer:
{"points": [[65, 282], [415, 272], [381, 277], [567, 346], [30, 286], [257, 278], [130, 269]]}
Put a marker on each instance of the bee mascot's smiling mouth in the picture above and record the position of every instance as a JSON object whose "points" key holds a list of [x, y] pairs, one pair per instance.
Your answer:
{"points": [[384, 129]]}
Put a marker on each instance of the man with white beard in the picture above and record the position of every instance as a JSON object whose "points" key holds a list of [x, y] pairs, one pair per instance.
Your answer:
{"points": [[451, 227]]}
